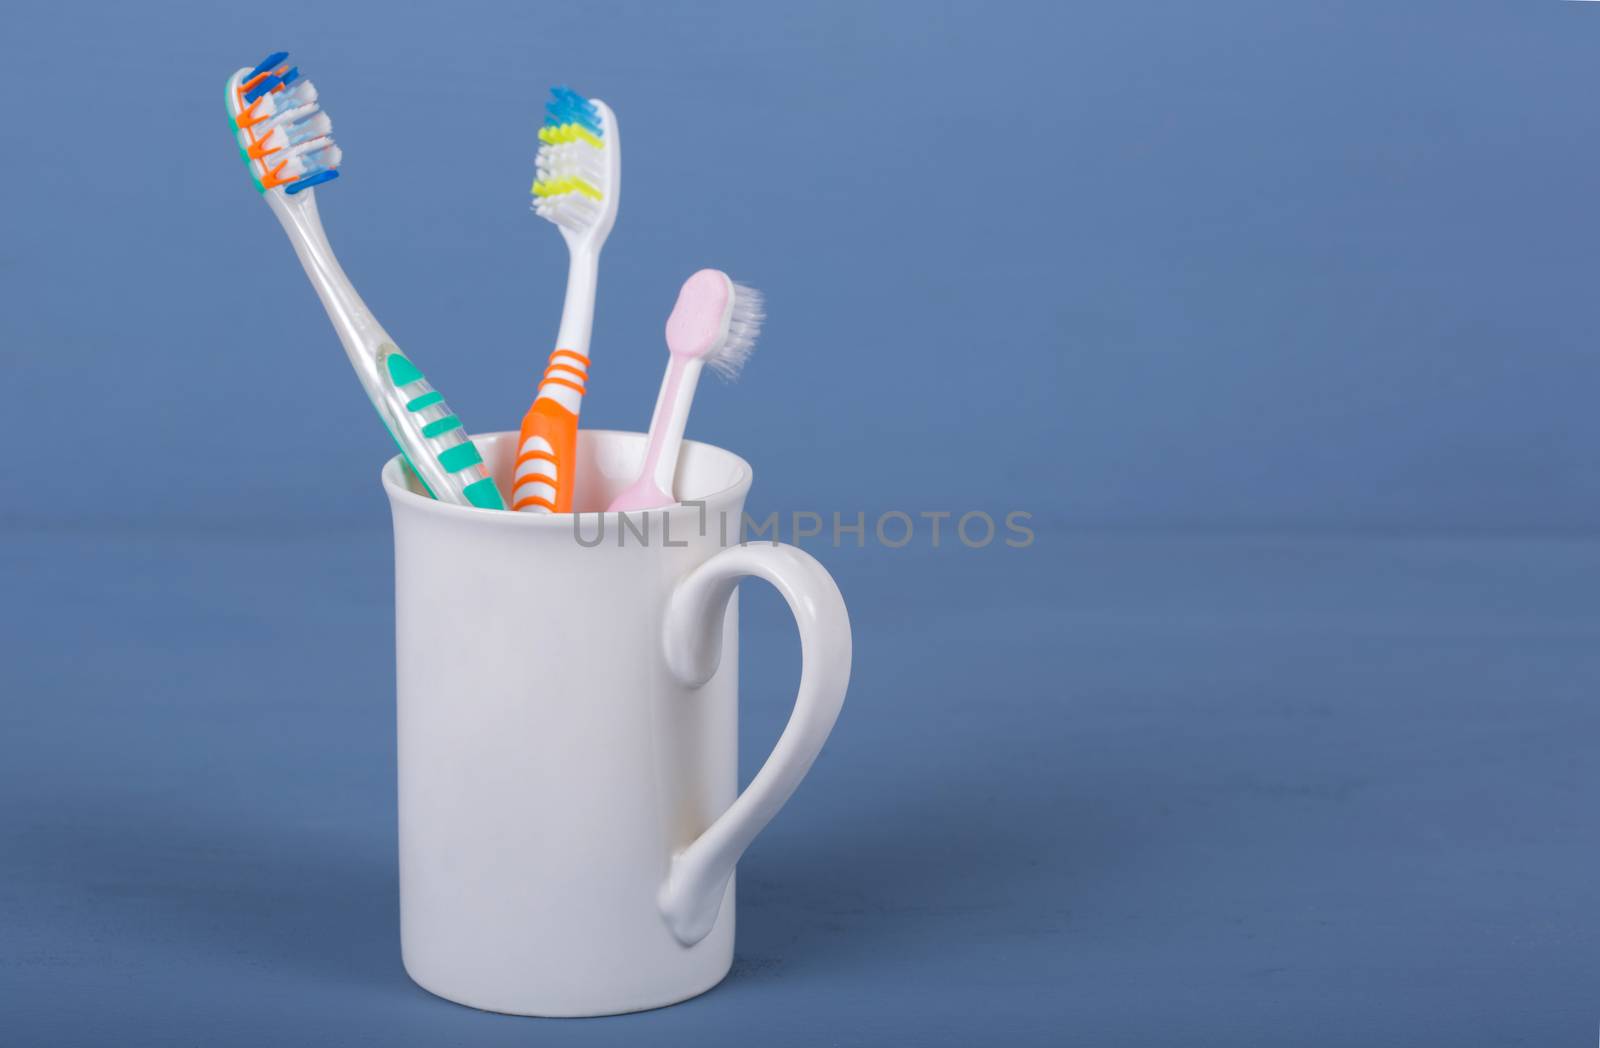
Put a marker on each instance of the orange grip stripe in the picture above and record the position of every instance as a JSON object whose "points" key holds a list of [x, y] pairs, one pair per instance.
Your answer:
{"points": [[567, 368], [532, 478], [579, 357], [562, 382], [534, 500], [532, 456], [519, 479], [539, 478]]}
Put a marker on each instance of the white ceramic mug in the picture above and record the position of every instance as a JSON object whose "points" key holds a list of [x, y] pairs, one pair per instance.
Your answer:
{"points": [[568, 713]]}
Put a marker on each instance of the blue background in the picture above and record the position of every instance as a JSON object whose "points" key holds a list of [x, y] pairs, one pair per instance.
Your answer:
{"points": [[1278, 318]]}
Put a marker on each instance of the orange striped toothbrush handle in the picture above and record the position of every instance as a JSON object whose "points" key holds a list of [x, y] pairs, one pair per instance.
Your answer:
{"points": [[547, 450]]}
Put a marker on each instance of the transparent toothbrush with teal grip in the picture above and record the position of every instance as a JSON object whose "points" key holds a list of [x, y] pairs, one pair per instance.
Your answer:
{"points": [[287, 145]]}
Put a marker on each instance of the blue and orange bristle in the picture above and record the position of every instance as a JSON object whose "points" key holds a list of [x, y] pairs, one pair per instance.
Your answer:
{"points": [[285, 139]]}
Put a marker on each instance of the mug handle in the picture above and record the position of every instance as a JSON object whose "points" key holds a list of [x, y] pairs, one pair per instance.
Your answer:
{"points": [[692, 894]]}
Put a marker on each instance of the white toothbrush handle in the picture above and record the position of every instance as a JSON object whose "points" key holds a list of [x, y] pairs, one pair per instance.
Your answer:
{"points": [[577, 308]]}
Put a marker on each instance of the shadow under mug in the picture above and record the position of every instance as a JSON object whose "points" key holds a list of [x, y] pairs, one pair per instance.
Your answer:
{"points": [[568, 732]]}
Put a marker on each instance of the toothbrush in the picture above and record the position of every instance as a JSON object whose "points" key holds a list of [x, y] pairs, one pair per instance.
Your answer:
{"points": [[715, 322], [578, 186], [286, 142]]}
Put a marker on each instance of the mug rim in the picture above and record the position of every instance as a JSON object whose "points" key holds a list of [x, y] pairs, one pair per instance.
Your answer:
{"points": [[393, 478]]}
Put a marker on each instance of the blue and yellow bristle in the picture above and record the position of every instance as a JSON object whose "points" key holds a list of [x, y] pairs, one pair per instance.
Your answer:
{"points": [[285, 139], [568, 111], [570, 188]]}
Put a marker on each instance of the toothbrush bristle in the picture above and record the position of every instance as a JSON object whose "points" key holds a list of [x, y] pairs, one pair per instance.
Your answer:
{"points": [[571, 186], [285, 138], [746, 311], [566, 106], [266, 65]]}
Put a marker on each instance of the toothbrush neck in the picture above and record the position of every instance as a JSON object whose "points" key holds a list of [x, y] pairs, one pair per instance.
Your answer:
{"points": [[577, 311], [358, 329], [670, 418]]}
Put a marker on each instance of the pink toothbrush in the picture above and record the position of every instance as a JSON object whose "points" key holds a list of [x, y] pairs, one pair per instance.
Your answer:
{"points": [[715, 322]]}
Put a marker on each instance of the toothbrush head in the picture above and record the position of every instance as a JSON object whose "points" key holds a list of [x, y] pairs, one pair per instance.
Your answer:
{"points": [[285, 139], [580, 166], [717, 321]]}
